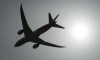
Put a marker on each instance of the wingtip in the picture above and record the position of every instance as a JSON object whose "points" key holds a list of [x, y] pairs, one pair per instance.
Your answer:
{"points": [[15, 45], [21, 5], [21, 8], [63, 46], [63, 28], [58, 14], [49, 13]]}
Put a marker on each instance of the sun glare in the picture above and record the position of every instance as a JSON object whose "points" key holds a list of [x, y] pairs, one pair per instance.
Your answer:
{"points": [[80, 31]]}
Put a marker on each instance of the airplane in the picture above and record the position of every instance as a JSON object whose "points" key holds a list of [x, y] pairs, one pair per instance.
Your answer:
{"points": [[33, 36]]}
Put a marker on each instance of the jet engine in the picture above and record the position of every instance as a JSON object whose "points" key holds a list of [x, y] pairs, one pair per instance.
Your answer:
{"points": [[20, 32], [35, 46]]}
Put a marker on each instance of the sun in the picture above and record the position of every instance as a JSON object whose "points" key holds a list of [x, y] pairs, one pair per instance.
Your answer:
{"points": [[80, 31]]}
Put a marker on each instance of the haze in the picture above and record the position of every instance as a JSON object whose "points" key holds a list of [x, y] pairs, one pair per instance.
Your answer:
{"points": [[82, 15]]}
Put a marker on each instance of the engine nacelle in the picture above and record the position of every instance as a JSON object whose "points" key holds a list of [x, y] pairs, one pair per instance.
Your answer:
{"points": [[35, 46], [20, 32]]}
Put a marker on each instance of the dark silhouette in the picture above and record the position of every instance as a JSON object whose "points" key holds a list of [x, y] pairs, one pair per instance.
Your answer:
{"points": [[31, 36]]}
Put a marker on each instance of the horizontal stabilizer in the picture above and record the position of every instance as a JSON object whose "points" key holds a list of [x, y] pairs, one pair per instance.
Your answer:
{"points": [[56, 17], [58, 26]]}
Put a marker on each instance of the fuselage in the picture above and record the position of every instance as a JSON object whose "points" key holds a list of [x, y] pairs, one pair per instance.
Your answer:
{"points": [[34, 37], [43, 29]]}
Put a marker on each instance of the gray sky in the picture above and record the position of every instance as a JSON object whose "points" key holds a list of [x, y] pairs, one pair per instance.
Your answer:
{"points": [[72, 13]]}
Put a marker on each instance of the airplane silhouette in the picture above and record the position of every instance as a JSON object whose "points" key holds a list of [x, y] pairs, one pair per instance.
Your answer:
{"points": [[33, 36]]}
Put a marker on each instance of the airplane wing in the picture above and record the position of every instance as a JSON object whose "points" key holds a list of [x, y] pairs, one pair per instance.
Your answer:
{"points": [[26, 27], [21, 42], [50, 44]]}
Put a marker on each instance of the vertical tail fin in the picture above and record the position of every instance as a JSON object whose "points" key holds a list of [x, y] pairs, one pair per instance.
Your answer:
{"points": [[50, 18]]}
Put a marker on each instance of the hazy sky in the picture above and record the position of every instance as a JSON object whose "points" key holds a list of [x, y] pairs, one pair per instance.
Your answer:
{"points": [[82, 15]]}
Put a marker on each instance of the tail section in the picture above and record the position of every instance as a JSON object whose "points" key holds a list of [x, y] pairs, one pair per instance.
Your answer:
{"points": [[56, 17], [58, 26], [51, 20]]}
